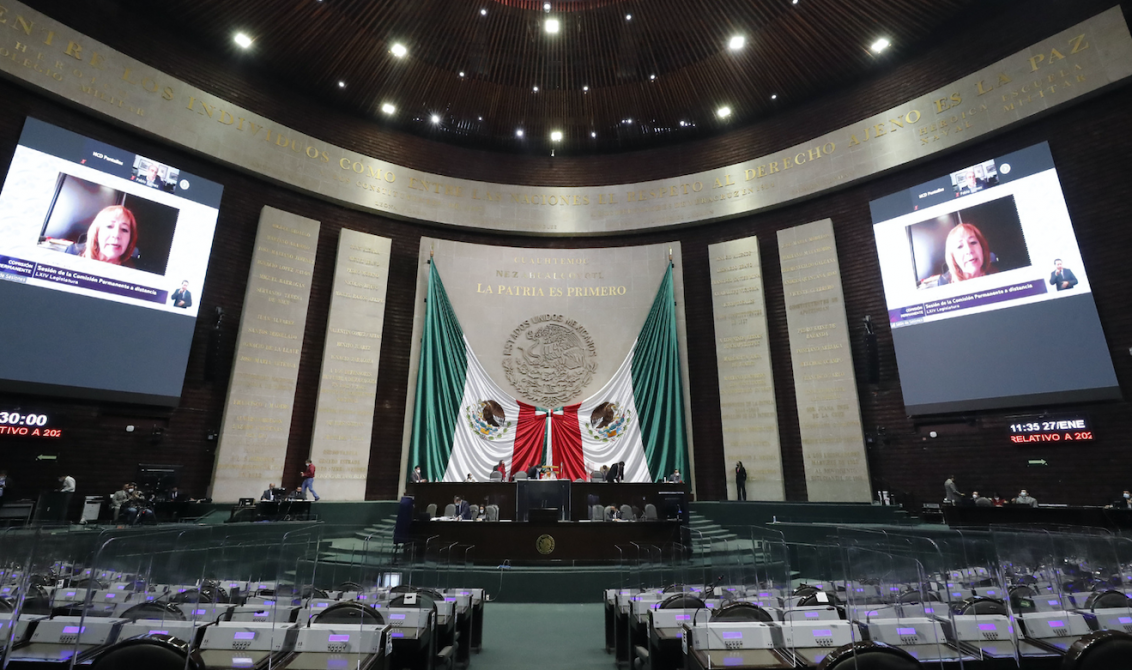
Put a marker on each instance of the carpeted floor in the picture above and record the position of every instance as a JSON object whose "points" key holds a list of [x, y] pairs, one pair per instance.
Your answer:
{"points": [[521, 636]]}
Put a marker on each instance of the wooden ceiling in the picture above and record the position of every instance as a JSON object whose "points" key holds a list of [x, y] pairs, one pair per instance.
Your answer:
{"points": [[606, 81]]}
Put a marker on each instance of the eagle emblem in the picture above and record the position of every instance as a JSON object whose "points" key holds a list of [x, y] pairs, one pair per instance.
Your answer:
{"points": [[608, 422], [487, 419], [552, 367]]}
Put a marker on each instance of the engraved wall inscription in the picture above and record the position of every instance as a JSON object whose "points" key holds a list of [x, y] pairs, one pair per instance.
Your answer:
{"points": [[829, 415], [746, 384], [257, 413]]}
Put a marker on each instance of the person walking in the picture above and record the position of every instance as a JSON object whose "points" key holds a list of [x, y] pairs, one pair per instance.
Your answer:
{"points": [[740, 481], [308, 480]]}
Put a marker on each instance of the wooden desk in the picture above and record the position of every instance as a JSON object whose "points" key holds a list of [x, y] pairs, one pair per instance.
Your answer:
{"points": [[1100, 517], [524, 542]]}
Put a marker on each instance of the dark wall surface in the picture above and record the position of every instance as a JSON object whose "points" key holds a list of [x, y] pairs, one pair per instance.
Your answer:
{"points": [[1090, 142]]}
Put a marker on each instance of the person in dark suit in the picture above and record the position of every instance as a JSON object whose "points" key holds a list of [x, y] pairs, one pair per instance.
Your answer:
{"points": [[416, 477], [463, 509], [614, 473], [532, 472], [740, 481], [1062, 278], [181, 297]]}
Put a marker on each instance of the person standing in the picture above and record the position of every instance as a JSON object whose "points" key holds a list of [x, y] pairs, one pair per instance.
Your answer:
{"points": [[67, 488], [3, 484], [614, 470], [740, 481], [502, 470], [308, 480], [951, 494]]}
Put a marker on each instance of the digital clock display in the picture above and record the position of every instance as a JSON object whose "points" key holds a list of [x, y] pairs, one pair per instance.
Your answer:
{"points": [[1025, 430], [27, 424]]}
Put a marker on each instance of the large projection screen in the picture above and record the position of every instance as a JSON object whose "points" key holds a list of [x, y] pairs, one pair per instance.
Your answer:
{"points": [[103, 254], [988, 296]]}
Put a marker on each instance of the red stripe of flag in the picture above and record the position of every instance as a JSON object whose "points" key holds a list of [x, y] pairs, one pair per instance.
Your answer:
{"points": [[566, 436], [530, 433]]}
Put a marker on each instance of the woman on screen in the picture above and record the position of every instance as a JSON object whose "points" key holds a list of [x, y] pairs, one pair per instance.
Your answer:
{"points": [[111, 238], [967, 257]]}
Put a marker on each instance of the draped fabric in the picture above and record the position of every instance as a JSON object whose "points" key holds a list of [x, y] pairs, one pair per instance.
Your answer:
{"points": [[529, 438], [567, 440], [658, 388], [463, 423], [440, 383]]}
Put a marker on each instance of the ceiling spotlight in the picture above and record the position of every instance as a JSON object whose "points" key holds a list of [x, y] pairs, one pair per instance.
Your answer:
{"points": [[399, 50], [794, 2], [681, 124], [341, 84], [546, 6], [536, 89], [556, 136], [774, 96], [519, 133], [880, 45], [593, 134], [626, 121], [628, 17], [652, 77], [461, 74], [483, 12], [481, 118], [552, 26], [242, 40], [723, 112], [434, 118], [585, 88], [737, 42], [388, 108]]}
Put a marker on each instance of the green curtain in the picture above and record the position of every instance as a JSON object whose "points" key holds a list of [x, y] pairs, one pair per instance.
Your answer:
{"points": [[658, 389], [440, 383]]}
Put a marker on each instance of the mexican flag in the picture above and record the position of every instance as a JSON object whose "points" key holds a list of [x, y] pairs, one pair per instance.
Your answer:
{"points": [[463, 423]]}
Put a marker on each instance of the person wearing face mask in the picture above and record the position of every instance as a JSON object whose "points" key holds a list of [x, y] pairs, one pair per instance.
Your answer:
{"points": [[1025, 499], [1125, 501]]}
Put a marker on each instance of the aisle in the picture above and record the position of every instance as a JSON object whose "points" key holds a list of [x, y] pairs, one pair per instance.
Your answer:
{"points": [[519, 636]]}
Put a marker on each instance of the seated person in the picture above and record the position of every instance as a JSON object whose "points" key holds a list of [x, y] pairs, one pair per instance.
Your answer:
{"points": [[675, 477], [980, 501], [270, 493], [469, 479], [1025, 499], [612, 513], [1124, 502], [119, 498], [463, 509]]}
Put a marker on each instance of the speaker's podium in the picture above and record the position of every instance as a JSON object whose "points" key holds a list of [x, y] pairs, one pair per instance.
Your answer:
{"points": [[542, 500]]}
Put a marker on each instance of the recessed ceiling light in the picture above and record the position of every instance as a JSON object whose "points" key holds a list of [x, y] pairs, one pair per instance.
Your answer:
{"points": [[481, 118], [737, 42], [794, 2], [388, 108], [519, 133], [628, 17], [341, 84], [483, 12], [461, 74], [585, 88], [880, 45], [536, 89], [681, 124], [723, 112], [552, 26], [593, 134], [546, 6], [434, 118], [774, 96], [556, 136], [627, 121], [242, 40], [399, 50], [652, 77]]}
